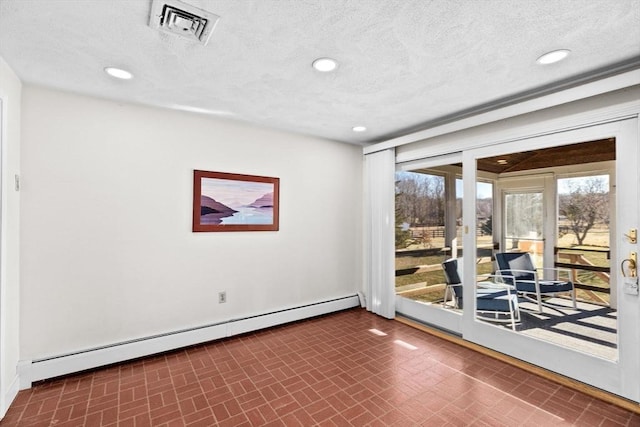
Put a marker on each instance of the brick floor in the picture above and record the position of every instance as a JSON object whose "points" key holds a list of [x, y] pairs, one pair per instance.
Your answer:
{"points": [[347, 368]]}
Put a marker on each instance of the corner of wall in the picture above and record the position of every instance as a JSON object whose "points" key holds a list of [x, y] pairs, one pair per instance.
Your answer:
{"points": [[10, 144], [9, 396]]}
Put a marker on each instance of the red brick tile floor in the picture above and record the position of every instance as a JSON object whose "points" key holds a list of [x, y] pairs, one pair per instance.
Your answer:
{"points": [[346, 368]]}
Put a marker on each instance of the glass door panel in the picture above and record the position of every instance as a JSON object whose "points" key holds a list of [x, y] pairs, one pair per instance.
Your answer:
{"points": [[543, 213], [523, 220], [578, 208], [428, 222], [486, 245], [584, 233], [420, 236]]}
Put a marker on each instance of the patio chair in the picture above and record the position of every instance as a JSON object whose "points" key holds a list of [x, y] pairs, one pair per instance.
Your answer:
{"points": [[519, 271], [498, 299], [493, 297], [453, 286]]}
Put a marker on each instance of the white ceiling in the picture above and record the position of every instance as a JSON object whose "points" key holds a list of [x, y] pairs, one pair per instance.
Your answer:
{"points": [[403, 64]]}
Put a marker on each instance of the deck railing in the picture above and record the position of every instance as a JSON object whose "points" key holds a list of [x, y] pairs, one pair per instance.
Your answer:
{"points": [[577, 261]]}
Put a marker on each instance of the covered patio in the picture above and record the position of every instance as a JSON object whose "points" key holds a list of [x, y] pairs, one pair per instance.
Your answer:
{"points": [[505, 224]]}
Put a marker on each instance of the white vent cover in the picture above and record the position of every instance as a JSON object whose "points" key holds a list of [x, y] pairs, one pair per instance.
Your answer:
{"points": [[176, 17]]}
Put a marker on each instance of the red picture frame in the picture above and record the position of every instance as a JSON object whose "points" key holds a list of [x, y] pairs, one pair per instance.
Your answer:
{"points": [[235, 202]]}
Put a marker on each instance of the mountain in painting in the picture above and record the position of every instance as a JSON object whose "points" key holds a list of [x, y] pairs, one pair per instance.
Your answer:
{"points": [[212, 211], [265, 201]]}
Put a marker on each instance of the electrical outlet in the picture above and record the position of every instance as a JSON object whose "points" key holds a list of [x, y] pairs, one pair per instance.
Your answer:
{"points": [[222, 297]]}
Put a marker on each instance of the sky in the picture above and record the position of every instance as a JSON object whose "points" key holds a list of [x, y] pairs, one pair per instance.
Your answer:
{"points": [[484, 189], [563, 183], [234, 193]]}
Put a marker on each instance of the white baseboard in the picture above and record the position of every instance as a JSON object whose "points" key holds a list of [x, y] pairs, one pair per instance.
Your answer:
{"points": [[36, 370]]}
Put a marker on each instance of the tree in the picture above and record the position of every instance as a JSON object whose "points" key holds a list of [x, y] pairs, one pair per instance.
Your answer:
{"points": [[402, 234], [484, 212], [420, 199], [585, 205], [486, 227]]}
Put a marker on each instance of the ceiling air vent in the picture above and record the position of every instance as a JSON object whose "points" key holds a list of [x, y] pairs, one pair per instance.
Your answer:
{"points": [[176, 17]]}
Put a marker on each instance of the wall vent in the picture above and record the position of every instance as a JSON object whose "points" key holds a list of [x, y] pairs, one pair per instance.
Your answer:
{"points": [[176, 17]]}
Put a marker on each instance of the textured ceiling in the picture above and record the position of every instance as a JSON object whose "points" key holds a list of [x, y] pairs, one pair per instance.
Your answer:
{"points": [[404, 64]]}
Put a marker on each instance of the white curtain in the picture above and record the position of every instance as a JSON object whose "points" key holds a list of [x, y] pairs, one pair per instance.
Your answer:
{"points": [[380, 232]]}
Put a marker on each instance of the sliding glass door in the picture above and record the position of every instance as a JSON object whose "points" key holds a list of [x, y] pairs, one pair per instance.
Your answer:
{"points": [[593, 342], [428, 208]]}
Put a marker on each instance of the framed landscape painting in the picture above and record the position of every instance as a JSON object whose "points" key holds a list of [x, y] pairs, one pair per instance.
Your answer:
{"points": [[234, 202]]}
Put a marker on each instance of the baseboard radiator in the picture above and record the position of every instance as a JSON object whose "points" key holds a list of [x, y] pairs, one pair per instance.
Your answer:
{"points": [[30, 371]]}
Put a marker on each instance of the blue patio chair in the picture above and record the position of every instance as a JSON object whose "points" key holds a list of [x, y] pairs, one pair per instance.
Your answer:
{"points": [[453, 287], [493, 297], [497, 298], [519, 271]]}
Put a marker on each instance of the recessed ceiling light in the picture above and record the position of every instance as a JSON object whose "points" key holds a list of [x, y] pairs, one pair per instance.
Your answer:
{"points": [[554, 56], [325, 64], [359, 128], [502, 162], [118, 73]]}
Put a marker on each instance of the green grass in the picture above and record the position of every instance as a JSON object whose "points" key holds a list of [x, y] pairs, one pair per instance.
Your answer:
{"points": [[431, 278], [596, 258], [437, 276], [429, 297], [409, 261]]}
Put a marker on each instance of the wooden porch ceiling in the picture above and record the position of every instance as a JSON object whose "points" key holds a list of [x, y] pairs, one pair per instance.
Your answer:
{"points": [[573, 154]]}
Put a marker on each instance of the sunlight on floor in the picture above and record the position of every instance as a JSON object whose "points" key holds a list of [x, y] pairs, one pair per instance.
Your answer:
{"points": [[405, 345]]}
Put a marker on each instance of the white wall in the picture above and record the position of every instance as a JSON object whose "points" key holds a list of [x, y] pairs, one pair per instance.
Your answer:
{"points": [[107, 249], [10, 92]]}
